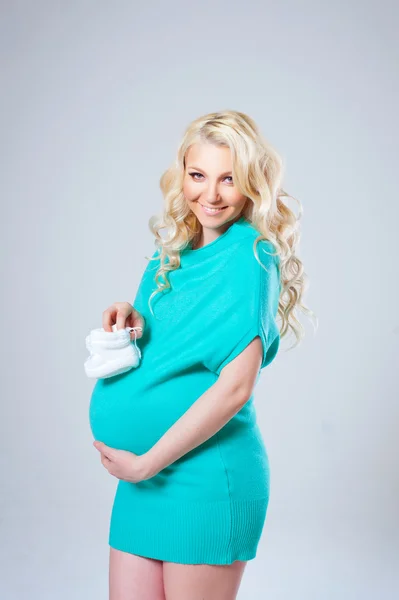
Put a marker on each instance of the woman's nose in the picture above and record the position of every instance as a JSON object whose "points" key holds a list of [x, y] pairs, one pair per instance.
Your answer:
{"points": [[212, 194]]}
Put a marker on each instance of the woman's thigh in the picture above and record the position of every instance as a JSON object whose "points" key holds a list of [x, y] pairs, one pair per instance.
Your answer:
{"points": [[133, 577], [196, 582]]}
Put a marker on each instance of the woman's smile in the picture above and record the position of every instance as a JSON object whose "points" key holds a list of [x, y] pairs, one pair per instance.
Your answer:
{"points": [[212, 211]]}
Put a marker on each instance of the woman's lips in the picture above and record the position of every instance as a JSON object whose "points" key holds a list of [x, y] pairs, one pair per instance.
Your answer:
{"points": [[212, 212]]}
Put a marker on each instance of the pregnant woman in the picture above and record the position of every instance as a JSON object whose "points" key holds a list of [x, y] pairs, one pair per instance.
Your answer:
{"points": [[179, 432]]}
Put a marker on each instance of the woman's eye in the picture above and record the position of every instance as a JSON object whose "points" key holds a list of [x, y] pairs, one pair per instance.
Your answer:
{"points": [[193, 175]]}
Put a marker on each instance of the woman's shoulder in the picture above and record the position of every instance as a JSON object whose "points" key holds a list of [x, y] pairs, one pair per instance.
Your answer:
{"points": [[251, 245]]}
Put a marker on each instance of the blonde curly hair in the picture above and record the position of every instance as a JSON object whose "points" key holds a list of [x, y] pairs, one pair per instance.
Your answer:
{"points": [[257, 173]]}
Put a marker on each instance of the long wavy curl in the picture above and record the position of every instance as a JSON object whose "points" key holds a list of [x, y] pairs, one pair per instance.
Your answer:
{"points": [[257, 174]]}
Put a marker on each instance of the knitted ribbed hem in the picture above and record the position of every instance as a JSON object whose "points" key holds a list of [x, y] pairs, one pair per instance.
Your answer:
{"points": [[189, 533]]}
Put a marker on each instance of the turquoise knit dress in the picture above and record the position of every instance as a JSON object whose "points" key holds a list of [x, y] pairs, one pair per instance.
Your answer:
{"points": [[209, 506]]}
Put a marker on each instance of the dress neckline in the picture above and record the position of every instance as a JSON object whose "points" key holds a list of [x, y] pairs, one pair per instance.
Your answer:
{"points": [[189, 254]]}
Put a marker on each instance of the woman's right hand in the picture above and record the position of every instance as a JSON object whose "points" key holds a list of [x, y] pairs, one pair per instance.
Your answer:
{"points": [[123, 314]]}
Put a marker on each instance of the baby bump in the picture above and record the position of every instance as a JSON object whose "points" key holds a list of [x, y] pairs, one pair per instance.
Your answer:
{"points": [[115, 415], [127, 414], [133, 410]]}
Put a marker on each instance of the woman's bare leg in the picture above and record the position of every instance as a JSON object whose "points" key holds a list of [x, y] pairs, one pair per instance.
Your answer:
{"points": [[133, 577], [196, 582]]}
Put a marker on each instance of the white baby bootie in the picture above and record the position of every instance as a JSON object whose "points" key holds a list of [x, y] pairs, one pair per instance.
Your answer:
{"points": [[111, 352]]}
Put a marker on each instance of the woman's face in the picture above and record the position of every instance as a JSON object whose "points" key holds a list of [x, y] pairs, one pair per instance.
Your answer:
{"points": [[208, 184]]}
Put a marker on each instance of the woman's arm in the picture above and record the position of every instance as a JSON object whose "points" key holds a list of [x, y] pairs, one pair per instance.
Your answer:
{"points": [[209, 413]]}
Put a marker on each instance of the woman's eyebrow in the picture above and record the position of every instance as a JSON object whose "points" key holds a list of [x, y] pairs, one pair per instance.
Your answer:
{"points": [[198, 169]]}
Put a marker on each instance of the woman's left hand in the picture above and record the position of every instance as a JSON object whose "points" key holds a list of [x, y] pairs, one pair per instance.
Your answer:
{"points": [[122, 464]]}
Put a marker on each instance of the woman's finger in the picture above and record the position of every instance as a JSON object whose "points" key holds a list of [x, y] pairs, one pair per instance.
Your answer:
{"points": [[109, 316], [105, 461], [135, 319], [124, 312]]}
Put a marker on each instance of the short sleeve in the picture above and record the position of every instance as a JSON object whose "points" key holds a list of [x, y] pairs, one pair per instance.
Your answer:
{"points": [[248, 304]]}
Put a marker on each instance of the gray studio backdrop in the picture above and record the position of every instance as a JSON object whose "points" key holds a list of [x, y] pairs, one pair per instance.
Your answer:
{"points": [[95, 97]]}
